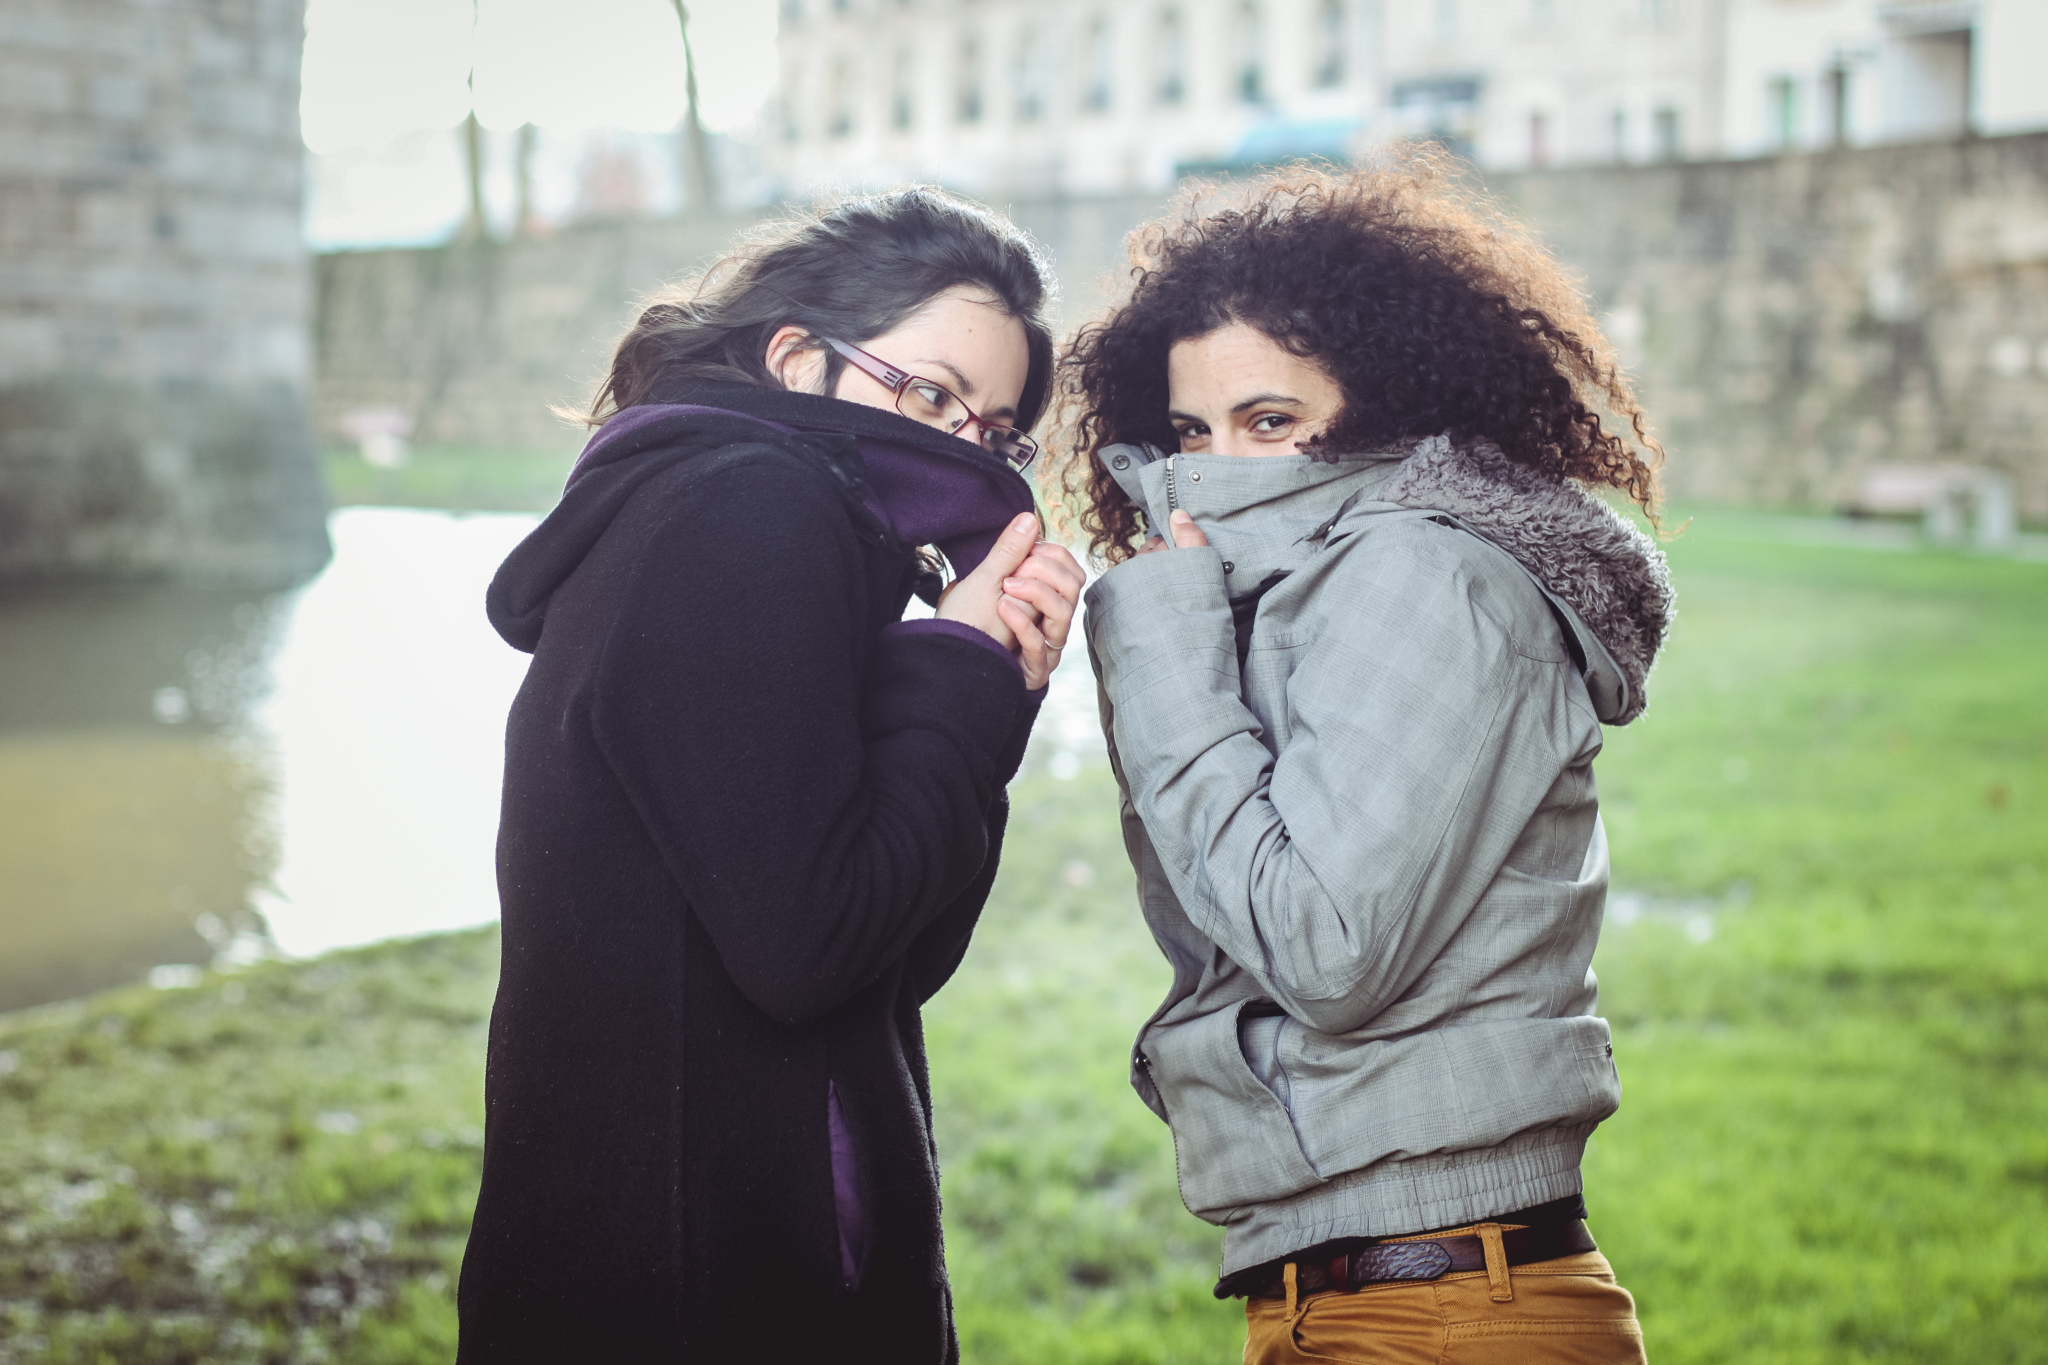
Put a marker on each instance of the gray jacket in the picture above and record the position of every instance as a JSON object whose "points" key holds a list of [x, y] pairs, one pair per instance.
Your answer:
{"points": [[1355, 738]]}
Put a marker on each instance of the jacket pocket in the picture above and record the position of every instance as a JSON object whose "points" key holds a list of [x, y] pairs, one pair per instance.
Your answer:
{"points": [[1233, 1141], [1457, 1087]]}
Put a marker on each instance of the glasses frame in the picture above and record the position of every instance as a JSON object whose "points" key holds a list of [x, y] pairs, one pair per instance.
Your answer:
{"points": [[897, 381]]}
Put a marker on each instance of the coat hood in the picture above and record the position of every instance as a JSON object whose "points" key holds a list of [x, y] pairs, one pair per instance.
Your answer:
{"points": [[1579, 550], [1267, 516], [901, 482]]}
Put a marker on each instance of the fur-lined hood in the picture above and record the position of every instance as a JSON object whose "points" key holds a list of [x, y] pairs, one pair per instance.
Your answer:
{"points": [[1580, 550], [1268, 516]]}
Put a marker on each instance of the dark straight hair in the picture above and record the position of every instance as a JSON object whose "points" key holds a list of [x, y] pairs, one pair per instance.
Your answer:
{"points": [[849, 270]]}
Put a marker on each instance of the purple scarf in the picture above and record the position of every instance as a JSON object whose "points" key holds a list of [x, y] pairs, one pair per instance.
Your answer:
{"points": [[926, 492]]}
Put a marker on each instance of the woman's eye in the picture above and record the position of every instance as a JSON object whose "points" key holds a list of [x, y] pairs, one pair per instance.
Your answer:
{"points": [[1269, 422]]}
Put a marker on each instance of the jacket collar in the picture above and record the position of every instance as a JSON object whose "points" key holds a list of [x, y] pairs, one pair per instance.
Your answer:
{"points": [[1608, 580], [1261, 514]]}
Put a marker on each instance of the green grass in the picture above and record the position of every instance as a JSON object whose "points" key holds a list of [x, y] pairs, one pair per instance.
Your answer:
{"points": [[463, 478], [277, 1165], [1830, 998], [1833, 1142]]}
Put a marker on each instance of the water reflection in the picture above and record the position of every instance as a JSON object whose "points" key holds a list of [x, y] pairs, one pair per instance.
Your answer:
{"points": [[386, 724], [180, 767], [304, 771], [129, 788]]}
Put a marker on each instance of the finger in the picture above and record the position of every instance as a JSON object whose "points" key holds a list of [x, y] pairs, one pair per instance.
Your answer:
{"points": [[1053, 553], [1056, 561], [1011, 549], [1031, 650], [1056, 598], [1029, 608], [1055, 613], [1186, 535], [1152, 545], [1042, 589], [1052, 576]]}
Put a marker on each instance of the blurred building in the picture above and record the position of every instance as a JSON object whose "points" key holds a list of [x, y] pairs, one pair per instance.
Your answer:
{"points": [[1091, 97], [155, 293], [1817, 73]]}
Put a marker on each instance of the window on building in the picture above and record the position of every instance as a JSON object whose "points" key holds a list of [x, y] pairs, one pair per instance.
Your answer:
{"points": [[1251, 63], [967, 75], [903, 89], [842, 6], [1838, 105], [1331, 31], [839, 102], [792, 11], [1098, 69], [1657, 11], [1617, 134], [1782, 110], [1539, 139], [1664, 127], [1542, 12], [1027, 76], [1927, 89], [785, 117], [1446, 19], [1172, 87]]}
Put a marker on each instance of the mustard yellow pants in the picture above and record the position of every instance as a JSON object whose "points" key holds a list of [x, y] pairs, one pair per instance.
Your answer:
{"points": [[1563, 1312]]}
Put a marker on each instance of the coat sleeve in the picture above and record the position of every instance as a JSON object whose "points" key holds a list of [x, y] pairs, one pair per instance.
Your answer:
{"points": [[938, 951], [1420, 743], [817, 816]]}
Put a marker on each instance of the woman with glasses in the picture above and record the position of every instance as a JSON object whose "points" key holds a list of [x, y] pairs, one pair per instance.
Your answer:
{"points": [[1343, 442], [751, 814]]}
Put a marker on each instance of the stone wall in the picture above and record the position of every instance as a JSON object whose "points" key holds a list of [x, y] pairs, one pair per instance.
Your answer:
{"points": [[1791, 320], [154, 300], [476, 343], [1796, 319]]}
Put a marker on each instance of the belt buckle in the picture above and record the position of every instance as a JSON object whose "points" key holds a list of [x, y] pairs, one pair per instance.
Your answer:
{"points": [[1393, 1262]]}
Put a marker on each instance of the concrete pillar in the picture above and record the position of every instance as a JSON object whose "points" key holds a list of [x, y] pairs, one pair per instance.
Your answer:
{"points": [[154, 294]]}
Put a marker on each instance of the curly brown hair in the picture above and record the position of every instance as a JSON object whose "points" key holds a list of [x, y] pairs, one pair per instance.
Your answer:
{"points": [[1431, 308]]}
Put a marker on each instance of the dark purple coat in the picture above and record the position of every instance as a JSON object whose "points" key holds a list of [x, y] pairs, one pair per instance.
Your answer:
{"points": [[749, 823]]}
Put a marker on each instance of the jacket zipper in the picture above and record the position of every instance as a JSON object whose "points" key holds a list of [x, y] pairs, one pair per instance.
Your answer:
{"points": [[1172, 495]]}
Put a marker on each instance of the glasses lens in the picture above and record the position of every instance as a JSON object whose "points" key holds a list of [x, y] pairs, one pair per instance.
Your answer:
{"points": [[924, 401], [1013, 445]]}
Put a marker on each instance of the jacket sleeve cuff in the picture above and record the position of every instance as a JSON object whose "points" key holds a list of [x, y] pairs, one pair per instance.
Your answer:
{"points": [[1162, 616], [940, 682], [959, 630]]}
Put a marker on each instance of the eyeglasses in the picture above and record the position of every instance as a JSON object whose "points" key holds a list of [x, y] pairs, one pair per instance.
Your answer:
{"points": [[934, 405]]}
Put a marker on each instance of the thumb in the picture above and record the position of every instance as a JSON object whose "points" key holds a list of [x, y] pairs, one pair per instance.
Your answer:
{"points": [[1011, 549], [1186, 535]]}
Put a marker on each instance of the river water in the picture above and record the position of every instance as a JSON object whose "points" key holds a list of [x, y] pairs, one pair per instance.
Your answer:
{"points": [[188, 776]]}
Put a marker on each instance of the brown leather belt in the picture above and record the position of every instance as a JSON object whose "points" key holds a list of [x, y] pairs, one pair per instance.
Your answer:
{"points": [[1427, 1258]]}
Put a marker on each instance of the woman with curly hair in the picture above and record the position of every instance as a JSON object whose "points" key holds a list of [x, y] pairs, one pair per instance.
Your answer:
{"points": [[1354, 681]]}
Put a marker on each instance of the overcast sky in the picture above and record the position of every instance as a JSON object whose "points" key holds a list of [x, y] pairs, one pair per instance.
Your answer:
{"points": [[376, 69]]}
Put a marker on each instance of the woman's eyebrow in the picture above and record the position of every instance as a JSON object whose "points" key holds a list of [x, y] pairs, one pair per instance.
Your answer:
{"points": [[962, 385], [1256, 399]]}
